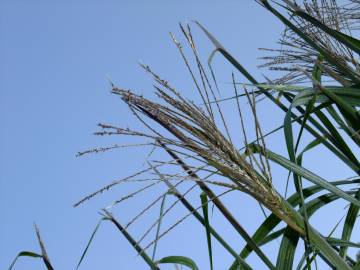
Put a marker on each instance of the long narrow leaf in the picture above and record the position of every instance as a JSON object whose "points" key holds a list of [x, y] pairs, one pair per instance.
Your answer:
{"points": [[350, 220], [44, 255], [179, 260], [286, 253], [136, 246], [305, 173], [89, 243], [341, 243], [24, 254], [204, 204]]}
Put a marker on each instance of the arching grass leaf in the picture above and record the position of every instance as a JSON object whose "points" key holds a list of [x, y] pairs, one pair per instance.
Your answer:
{"points": [[24, 254], [305, 173], [179, 260]]}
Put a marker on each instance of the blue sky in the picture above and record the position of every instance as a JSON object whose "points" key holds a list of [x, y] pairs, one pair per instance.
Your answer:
{"points": [[56, 58]]}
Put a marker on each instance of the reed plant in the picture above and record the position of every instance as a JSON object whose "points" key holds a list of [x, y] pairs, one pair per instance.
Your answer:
{"points": [[318, 89]]}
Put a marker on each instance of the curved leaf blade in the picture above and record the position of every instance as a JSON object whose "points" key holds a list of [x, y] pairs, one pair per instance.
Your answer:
{"points": [[305, 173], [179, 260], [24, 254]]}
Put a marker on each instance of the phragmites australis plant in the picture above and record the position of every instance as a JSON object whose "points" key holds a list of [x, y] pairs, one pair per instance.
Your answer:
{"points": [[318, 89]]}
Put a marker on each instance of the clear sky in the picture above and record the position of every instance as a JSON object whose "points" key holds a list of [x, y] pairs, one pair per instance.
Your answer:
{"points": [[56, 58]]}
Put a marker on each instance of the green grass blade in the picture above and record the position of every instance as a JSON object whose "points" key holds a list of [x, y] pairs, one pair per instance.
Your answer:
{"points": [[89, 243], [141, 252], [287, 249], [310, 105], [349, 131], [290, 238], [308, 147], [341, 243], [340, 142], [289, 135], [272, 236], [315, 204], [179, 260], [350, 95], [305, 173], [24, 254], [349, 112], [204, 204], [349, 223], [305, 257], [162, 205], [44, 255]]}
